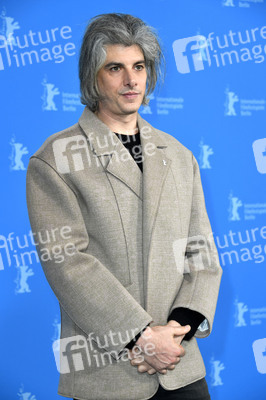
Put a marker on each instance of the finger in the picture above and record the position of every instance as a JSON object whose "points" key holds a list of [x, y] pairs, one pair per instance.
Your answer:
{"points": [[163, 371], [151, 371], [136, 361], [142, 368], [175, 362], [180, 330], [173, 323], [171, 367], [178, 340], [182, 351]]}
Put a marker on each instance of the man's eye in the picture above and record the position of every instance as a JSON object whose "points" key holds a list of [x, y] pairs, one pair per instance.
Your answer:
{"points": [[139, 67], [116, 68]]}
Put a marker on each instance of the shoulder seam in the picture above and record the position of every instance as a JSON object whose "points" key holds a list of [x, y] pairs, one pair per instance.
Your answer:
{"points": [[38, 158]]}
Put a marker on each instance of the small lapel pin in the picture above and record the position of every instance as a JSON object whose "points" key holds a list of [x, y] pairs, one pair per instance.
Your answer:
{"points": [[164, 162]]}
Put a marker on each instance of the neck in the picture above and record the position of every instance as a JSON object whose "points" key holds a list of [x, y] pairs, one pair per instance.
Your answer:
{"points": [[125, 124]]}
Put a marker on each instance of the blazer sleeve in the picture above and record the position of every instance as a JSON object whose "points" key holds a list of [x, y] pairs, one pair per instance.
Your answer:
{"points": [[88, 292], [202, 271]]}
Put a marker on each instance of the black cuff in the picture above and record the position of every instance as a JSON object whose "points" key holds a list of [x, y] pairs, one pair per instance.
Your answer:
{"points": [[185, 316]]}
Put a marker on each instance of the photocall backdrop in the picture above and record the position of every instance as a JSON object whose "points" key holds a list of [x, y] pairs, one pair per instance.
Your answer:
{"points": [[213, 101]]}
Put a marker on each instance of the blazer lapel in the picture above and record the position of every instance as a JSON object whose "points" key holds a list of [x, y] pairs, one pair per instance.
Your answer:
{"points": [[114, 156]]}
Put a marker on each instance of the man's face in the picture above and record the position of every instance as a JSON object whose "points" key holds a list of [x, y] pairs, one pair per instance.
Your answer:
{"points": [[122, 80]]}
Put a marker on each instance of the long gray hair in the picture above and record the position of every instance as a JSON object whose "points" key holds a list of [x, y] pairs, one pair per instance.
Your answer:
{"points": [[123, 29]]}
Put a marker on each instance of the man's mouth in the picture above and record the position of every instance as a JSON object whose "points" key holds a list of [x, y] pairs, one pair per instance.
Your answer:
{"points": [[130, 95]]}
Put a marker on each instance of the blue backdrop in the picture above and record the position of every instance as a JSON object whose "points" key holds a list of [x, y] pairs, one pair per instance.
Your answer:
{"points": [[213, 101]]}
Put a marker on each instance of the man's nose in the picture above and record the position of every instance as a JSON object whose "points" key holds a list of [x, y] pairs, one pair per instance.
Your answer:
{"points": [[129, 79]]}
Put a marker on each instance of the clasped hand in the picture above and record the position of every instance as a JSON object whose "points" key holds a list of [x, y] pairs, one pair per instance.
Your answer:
{"points": [[159, 348]]}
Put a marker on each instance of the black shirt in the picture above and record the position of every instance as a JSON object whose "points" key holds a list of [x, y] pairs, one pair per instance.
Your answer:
{"points": [[133, 145]]}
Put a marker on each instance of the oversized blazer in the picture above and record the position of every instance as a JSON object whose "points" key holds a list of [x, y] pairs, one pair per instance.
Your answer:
{"points": [[134, 246]]}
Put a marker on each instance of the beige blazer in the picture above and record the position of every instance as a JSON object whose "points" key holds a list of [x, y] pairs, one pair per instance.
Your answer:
{"points": [[133, 247]]}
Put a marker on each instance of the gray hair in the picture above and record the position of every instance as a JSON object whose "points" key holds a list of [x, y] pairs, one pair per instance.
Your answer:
{"points": [[110, 29]]}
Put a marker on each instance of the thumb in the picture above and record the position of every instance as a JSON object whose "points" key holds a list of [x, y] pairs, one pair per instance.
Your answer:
{"points": [[172, 322], [181, 330]]}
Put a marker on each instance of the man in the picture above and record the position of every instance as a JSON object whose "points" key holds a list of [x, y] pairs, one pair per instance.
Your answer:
{"points": [[140, 272]]}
